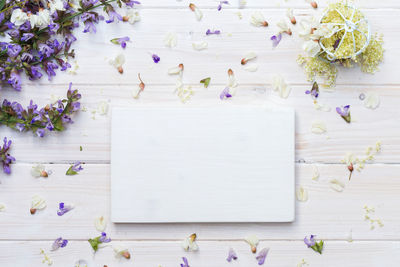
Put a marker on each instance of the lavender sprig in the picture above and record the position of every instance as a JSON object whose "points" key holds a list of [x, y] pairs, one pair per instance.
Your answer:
{"points": [[52, 117], [95, 242], [5, 158]]}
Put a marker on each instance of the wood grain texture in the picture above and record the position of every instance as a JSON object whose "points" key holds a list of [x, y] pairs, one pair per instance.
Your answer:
{"points": [[210, 254], [327, 213]]}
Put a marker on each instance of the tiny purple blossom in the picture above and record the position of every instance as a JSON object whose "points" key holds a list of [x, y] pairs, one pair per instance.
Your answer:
{"points": [[262, 255], [27, 36], [113, 15], [231, 255], [209, 32], [314, 92], [62, 209], [40, 132], [344, 111], [131, 3], [309, 242], [276, 39], [121, 41], [14, 50], [15, 81], [222, 3], [225, 94], [77, 167], [5, 158], [104, 238], [185, 262], [156, 58], [59, 243]]}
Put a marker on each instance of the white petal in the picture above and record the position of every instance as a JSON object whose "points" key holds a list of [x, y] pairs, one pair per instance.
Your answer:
{"points": [[170, 39], [349, 158], [301, 194], [174, 71], [252, 240], [350, 236], [200, 46], [199, 14], [336, 185], [283, 26], [321, 107], [2, 207], [100, 223], [312, 48], [251, 67], [315, 174], [371, 100], [318, 127], [119, 251], [118, 61], [249, 56], [279, 85], [257, 19], [232, 81], [102, 108], [37, 170], [38, 202]]}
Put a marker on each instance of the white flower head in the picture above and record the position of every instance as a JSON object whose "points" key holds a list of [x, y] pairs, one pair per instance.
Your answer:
{"points": [[100, 223], [312, 48], [308, 26], [18, 17], [132, 16], [189, 243], [40, 171], [121, 252], [318, 127], [38, 203], [258, 19], [200, 45], [196, 10], [41, 19], [117, 62], [170, 39], [371, 100], [56, 5], [279, 85], [249, 56], [284, 27], [253, 241], [301, 194]]}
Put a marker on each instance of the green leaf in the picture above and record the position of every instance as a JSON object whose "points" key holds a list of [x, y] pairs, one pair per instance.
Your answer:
{"points": [[70, 171], [318, 247], [95, 243], [115, 41], [80, 148], [206, 82], [2, 4]]}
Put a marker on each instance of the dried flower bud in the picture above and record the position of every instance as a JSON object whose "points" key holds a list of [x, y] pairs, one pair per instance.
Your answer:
{"points": [[230, 72], [192, 6], [44, 174], [32, 211], [314, 4], [47, 108], [125, 18], [126, 255], [181, 66], [351, 169], [265, 24], [253, 249], [120, 70], [193, 237]]}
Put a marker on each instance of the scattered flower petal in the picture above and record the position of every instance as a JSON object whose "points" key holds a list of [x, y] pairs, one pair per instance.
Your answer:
{"points": [[121, 252], [100, 223], [185, 262], [284, 27], [313, 3], [171, 39], [140, 88], [59, 243], [262, 255], [318, 127], [279, 85], [336, 185], [38, 203], [231, 255], [312, 48], [315, 173], [210, 32], [301, 194], [62, 208], [231, 79], [253, 242], [251, 67], [155, 58], [258, 19], [196, 10], [2, 207], [189, 243], [40, 171], [176, 70], [74, 169], [118, 62], [312, 243], [95, 242], [344, 112], [225, 94], [131, 16], [371, 100], [289, 14], [120, 41], [200, 45], [222, 3], [249, 56], [276, 39]]}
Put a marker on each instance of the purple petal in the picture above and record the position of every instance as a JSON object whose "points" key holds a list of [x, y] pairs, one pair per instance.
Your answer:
{"points": [[276, 39], [231, 255], [262, 255]]}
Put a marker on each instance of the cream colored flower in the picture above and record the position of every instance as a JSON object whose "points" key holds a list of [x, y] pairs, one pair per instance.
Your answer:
{"points": [[56, 5], [39, 171], [279, 85], [170, 39], [308, 26], [318, 127], [231, 79], [41, 19], [189, 243], [249, 56], [200, 45], [18, 17], [132, 16], [321, 107], [100, 223], [253, 241], [301, 194], [176, 70], [121, 252], [118, 62], [284, 27], [324, 30], [336, 185], [258, 19], [312, 48], [38, 203], [371, 100]]}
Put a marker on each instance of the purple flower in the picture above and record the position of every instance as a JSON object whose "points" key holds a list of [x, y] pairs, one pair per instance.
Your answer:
{"points": [[121, 41], [40, 132], [113, 15], [62, 209], [45, 50], [209, 32], [262, 255], [59, 243], [14, 50], [185, 262], [231, 255], [36, 74], [156, 58], [27, 36], [15, 81], [26, 57], [5, 158], [50, 67], [74, 169], [131, 3], [221, 3], [314, 92], [309, 242], [104, 238], [225, 94], [276, 39], [344, 112]]}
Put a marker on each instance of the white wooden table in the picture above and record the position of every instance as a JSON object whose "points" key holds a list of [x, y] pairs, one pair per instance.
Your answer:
{"points": [[328, 214]]}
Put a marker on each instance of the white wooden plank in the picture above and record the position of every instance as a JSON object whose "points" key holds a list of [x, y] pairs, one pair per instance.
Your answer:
{"points": [[224, 52], [327, 213], [202, 165], [368, 127], [168, 254]]}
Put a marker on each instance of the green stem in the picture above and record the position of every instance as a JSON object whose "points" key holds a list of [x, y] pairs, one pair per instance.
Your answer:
{"points": [[10, 7]]}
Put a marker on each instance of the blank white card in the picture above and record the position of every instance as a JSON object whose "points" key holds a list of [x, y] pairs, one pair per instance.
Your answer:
{"points": [[226, 164]]}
